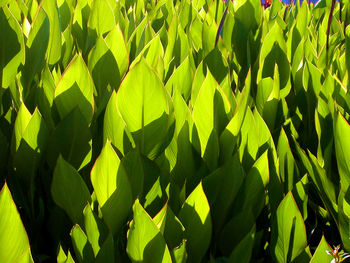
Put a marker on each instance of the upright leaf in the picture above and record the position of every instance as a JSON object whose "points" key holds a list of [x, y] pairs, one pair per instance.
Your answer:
{"points": [[146, 109], [14, 243], [288, 237], [321, 255], [75, 89], [69, 190], [195, 217], [342, 149], [145, 242], [81, 245], [12, 49], [54, 46], [112, 188]]}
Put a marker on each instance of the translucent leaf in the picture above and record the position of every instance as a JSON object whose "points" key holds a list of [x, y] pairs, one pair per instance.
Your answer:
{"points": [[14, 243], [321, 255], [81, 245], [11, 49], [69, 190], [288, 237], [146, 109], [75, 89], [195, 217], [112, 188], [54, 46], [145, 242]]}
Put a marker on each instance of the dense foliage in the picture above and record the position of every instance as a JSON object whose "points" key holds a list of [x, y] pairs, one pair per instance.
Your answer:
{"points": [[131, 130]]}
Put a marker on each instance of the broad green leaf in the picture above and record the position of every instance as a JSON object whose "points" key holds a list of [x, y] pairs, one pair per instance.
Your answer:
{"points": [[321, 255], [221, 188], [95, 229], [288, 237], [344, 217], [71, 139], [108, 60], [101, 17], [28, 144], [235, 231], [112, 188], [75, 89], [170, 227], [133, 165], [228, 138], [79, 23], [195, 217], [36, 46], [288, 167], [14, 243], [145, 242], [114, 127], [54, 46], [146, 109], [63, 258], [268, 96], [12, 48], [45, 97], [211, 111], [4, 2], [181, 79], [342, 147], [106, 253], [273, 51], [21, 123], [81, 245], [69, 190], [252, 193], [116, 42], [243, 251]]}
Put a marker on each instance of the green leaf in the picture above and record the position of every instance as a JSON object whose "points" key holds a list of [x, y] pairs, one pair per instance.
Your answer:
{"points": [[12, 49], [106, 253], [54, 45], [36, 47], [342, 147], [344, 217], [101, 17], [75, 89], [288, 169], [95, 229], [133, 165], [30, 140], [288, 237], [181, 79], [221, 188], [211, 111], [228, 138], [4, 2], [252, 193], [82, 247], [243, 251], [114, 127], [108, 60], [146, 109], [145, 242], [321, 255], [112, 188], [69, 190], [273, 51], [170, 227], [195, 217], [14, 243], [71, 139]]}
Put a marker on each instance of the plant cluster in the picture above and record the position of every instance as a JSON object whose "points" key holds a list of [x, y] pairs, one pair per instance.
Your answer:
{"points": [[131, 130]]}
